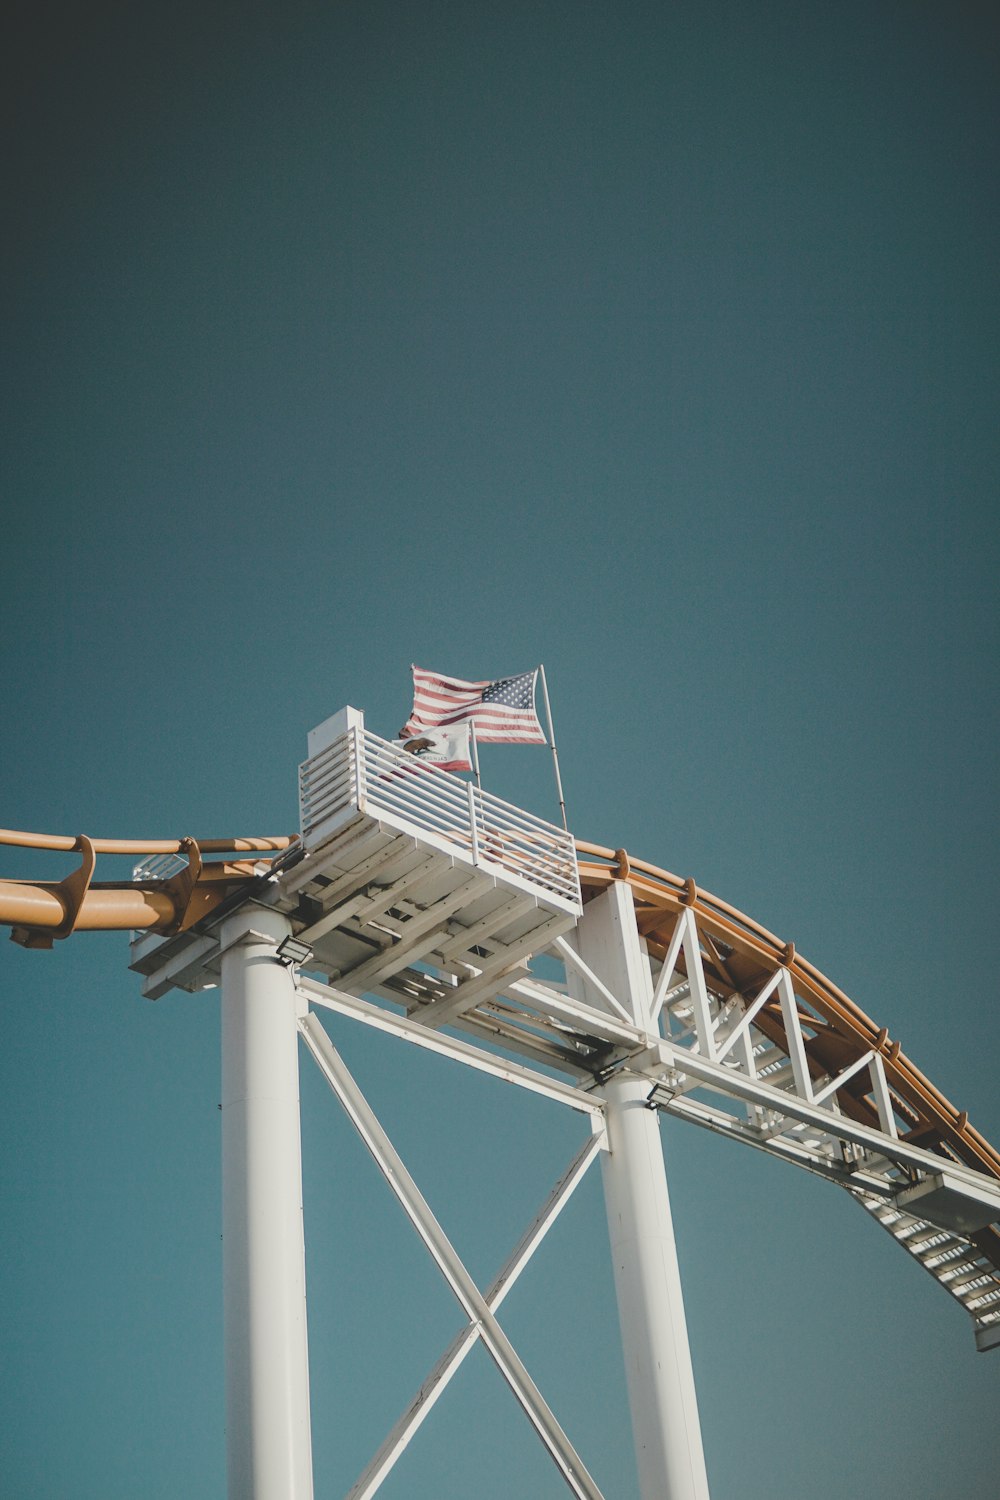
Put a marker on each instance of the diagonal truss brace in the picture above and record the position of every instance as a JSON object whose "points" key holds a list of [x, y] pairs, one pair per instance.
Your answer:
{"points": [[571, 957], [315, 993], [447, 1259], [685, 936], [666, 1063], [463, 1342]]}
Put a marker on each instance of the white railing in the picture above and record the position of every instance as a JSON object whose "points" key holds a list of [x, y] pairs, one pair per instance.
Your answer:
{"points": [[360, 771]]}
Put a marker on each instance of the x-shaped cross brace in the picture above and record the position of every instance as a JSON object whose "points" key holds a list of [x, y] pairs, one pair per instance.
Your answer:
{"points": [[478, 1309]]}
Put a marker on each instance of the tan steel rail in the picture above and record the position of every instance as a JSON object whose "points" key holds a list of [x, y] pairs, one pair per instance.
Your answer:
{"points": [[38, 912], [67, 843]]}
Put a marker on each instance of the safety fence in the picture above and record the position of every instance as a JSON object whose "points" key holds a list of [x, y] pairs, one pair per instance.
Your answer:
{"points": [[361, 771]]}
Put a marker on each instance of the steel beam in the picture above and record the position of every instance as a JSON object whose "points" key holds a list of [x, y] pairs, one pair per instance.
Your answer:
{"points": [[665, 1060], [661, 1389], [448, 1046]]}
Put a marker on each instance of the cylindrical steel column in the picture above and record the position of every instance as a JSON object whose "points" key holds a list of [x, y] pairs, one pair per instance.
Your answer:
{"points": [[650, 1304], [268, 1442]]}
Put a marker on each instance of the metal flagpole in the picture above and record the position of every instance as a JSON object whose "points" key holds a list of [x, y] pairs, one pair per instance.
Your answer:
{"points": [[552, 746], [475, 754]]}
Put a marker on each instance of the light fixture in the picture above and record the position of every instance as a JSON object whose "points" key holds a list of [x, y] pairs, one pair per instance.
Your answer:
{"points": [[659, 1096], [292, 953]]}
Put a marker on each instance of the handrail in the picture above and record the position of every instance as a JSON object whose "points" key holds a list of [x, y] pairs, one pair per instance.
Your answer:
{"points": [[359, 770], [66, 844]]}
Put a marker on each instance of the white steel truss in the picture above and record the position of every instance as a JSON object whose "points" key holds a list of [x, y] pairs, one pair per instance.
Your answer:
{"points": [[479, 1309], [345, 1004], [465, 1339], [742, 1051], [745, 1065]]}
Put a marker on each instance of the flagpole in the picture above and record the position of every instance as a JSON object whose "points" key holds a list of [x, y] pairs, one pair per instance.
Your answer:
{"points": [[552, 746], [475, 754]]}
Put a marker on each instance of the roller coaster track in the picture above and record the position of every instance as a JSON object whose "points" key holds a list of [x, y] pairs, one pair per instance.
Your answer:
{"points": [[739, 957], [39, 912], [740, 954], [744, 970]]}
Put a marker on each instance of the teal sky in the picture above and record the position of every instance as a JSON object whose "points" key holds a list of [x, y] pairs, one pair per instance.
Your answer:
{"points": [[655, 341]]}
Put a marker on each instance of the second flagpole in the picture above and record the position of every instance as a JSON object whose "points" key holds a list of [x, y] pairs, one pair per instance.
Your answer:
{"points": [[474, 747], [552, 745]]}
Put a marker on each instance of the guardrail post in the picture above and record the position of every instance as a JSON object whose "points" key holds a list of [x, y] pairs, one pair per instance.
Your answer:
{"points": [[361, 780], [472, 822]]}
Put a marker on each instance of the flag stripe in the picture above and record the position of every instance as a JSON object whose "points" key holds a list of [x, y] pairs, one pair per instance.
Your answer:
{"points": [[487, 726]]}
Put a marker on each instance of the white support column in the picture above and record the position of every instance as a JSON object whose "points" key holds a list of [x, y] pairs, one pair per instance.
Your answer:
{"points": [[268, 1441], [661, 1389]]}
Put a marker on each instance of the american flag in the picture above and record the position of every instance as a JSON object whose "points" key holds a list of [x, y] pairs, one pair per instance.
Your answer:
{"points": [[503, 711]]}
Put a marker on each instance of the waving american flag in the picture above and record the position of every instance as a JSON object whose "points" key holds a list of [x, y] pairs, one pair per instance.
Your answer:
{"points": [[502, 711]]}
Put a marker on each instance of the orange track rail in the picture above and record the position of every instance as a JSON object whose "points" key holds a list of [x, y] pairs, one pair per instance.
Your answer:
{"points": [[40, 911]]}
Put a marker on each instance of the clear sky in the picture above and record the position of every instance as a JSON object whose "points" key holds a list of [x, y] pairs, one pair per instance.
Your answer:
{"points": [[654, 341]]}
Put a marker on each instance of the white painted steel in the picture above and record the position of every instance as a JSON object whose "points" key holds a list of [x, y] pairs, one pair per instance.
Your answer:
{"points": [[667, 969], [699, 989], [473, 824], [494, 921], [571, 957], [833, 1084], [417, 937], [159, 866], [610, 961], [685, 936], [742, 1028], [448, 1046], [268, 1444], [185, 966], [350, 769], [434, 1386], [883, 1100], [793, 1035], [988, 1337], [661, 1390], [575, 1014], [446, 1258], [371, 868], [666, 1061]]}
